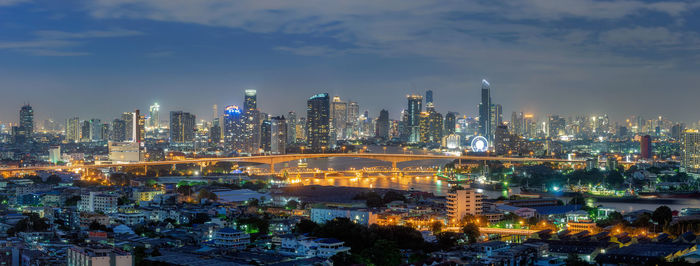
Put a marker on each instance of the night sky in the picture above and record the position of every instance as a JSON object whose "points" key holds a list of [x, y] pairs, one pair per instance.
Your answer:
{"points": [[99, 58]]}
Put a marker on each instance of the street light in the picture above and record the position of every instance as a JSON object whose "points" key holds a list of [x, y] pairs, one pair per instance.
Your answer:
{"points": [[384, 148]]}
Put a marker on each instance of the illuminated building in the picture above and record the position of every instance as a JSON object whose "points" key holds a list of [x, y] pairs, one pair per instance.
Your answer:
{"points": [[251, 115], [413, 117], [140, 127], [429, 100], [265, 135], [98, 255], [496, 119], [300, 130], [359, 216], [556, 126], [95, 130], [128, 152], [451, 141], [318, 122], [182, 127], [233, 127], [73, 129], [291, 127], [98, 202], [424, 127], [382, 127], [516, 124], [582, 225], [215, 132], [353, 118], [55, 154], [645, 147], [278, 135], [85, 131], [462, 202], [118, 130], [339, 119], [23, 133], [128, 118], [485, 110], [450, 123], [690, 151], [154, 119], [142, 194], [430, 127], [231, 238], [504, 142]]}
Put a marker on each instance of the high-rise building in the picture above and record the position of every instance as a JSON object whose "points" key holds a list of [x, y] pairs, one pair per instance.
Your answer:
{"points": [[415, 106], [353, 120], [690, 151], [382, 127], [496, 117], [95, 130], [215, 132], [318, 122], [154, 118], [556, 126], [429, 99], [645, 147], [182, 127], [462, 202], [485, 110], [128, 118], [300, 130], [251, 114], [291, 127], [430, 126], [278, 135], [339, 118], [516, 123], [25, 130], [234, 128], [139, 127], [265, 135], [85, 131], [73, 129], [118, 130], [677, 130], [450, 123]]}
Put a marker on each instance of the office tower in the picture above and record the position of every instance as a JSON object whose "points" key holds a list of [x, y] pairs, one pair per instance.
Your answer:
{"points": [[430, 126], [529, 126], [450, 123], [517, 124], [105, 132], [278, 135], [353, 119], [182, 127], [429, 100], [504, 142], [73, 129], [291, 127], [215, 132], [451, 141], [485, 110], [382, 127], [556, 126], [317, 122], [138, 126], [415, 105], [424, 127], [645, 147], [394, 129], [234, 127], [265, 135], [128, 118], [23, 133], [95, 130], [215, 114], [496, 117], [300, 130], [54, 154], [118, 130], [462, 202], [690, 151], [252, 118], [85, 131], [677, 130], [339, 118], [154, 118]]}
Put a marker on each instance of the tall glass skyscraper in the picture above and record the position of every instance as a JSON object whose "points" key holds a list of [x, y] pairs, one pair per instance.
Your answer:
{"points": [[415, 106], [233, 127], [251, 124], [485, 110], [318, 122], [154, 120]]}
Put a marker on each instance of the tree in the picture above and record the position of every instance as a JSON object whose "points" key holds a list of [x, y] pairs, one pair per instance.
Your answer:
{"points": [[383, 252], [391, 195], [305, 226], [373, 200], [200, 218], [292, 204], [574, 260], [447, 240], [578, 199], [155, 252], [615, 179], [471, 231], [662, 215], [436, 227]]}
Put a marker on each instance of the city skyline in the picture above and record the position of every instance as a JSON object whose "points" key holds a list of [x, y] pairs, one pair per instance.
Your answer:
{"points": [[103, 58]]}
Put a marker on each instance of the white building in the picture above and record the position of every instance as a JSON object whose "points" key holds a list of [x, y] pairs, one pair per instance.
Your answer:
{"points": [[98, 202], [462, 202], [131, 218], [124, 152], [312, 247], [54, 154], [359, 216], [231, 238], [98, 255]]}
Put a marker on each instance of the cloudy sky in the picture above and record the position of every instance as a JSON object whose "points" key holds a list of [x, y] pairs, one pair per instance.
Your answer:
{"points": [[99, 58]]}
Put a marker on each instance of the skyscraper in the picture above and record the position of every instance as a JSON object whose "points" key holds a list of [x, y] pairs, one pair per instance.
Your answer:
{"points": [[339, 118], [450, 123], [95, 130], [690, 151], [118, 130], [429, 99], [278, 135], [496, 118], [485, 110], [73, 129], [252, 122], [182, 127], [85, 131], [24, 132], [234, 127], [154, 120], [128, 118], [265, 135], [382, 128], [645, 147], [291, 127], [318, 122], [415, 105], [353, 120]]}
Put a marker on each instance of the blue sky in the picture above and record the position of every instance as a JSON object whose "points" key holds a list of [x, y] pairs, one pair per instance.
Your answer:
{"points": [[96, 59]]}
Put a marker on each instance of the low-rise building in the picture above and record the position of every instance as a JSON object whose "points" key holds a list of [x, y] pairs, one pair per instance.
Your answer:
{"points": [[98, 255], [231, 238], [360, 216]]}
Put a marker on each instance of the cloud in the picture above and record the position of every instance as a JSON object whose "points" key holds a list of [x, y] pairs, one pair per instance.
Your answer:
{"points": [[61, 43], [645, 36], [310, 50], [12, 2]]}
